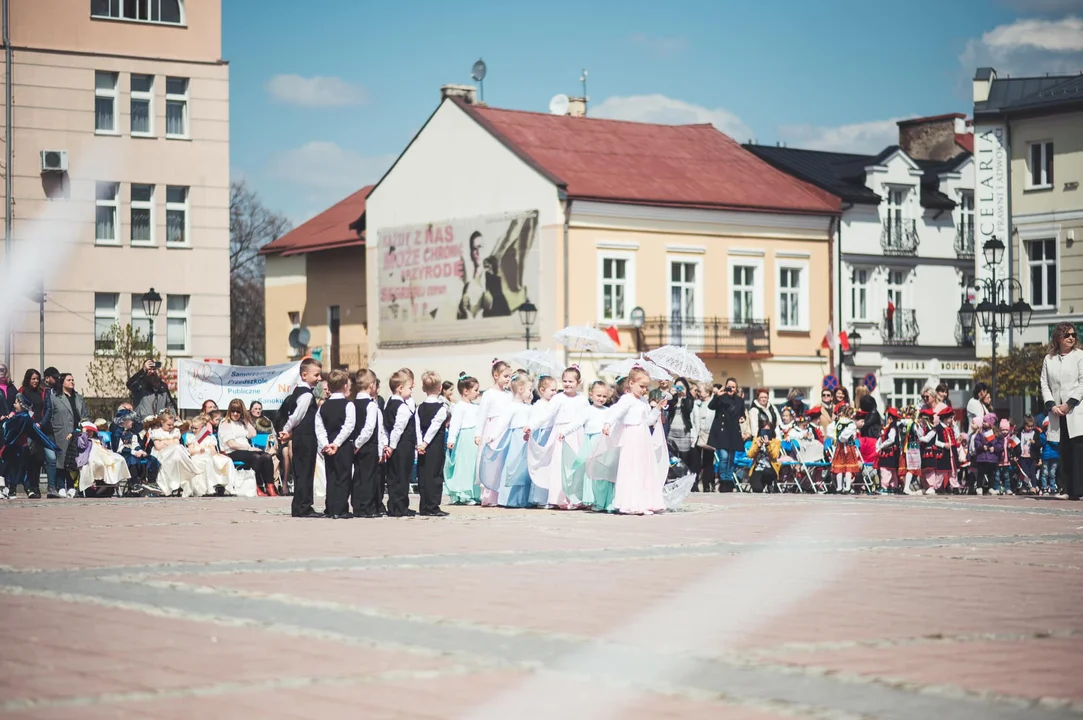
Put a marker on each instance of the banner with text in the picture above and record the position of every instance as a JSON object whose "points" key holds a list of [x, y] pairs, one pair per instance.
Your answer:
{"points": [[991, 202], [456, 280], [202, 381]]}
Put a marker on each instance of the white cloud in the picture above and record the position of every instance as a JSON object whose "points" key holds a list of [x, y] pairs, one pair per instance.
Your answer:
{"points": [[668, 111], [660, 47], [317, 91], [1028, 47], [320, 173], [866, 137]]}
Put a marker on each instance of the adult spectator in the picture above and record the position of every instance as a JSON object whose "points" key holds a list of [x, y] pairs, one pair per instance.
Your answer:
{"points": [[842, 396], [943, 395], [1062, 390], [234, 433], [795, 401], [50, 378], [69, 408], [726, 436], [702, 419], [870, 423], [930, 400], [40, 399], [827, 409], [150, 394], [761, 412], [679, 422], [7, 392], [255, 411], [978, 406]]}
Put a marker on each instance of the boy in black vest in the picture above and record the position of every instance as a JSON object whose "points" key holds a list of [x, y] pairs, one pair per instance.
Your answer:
{"points": [[429, 420], [334, 424], [301, 426], [401, 441], [369, 441]]}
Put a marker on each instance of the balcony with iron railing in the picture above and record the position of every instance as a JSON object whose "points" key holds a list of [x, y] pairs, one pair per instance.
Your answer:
{"points": [[708, 336], [899, 327], [964, 242], [899, 236], [344, 357]]}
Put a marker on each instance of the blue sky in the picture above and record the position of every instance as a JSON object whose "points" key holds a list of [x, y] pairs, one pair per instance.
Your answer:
{"points": [[323, 100]]}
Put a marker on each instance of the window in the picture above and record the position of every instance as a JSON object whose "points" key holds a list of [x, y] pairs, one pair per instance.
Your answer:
{"points": [[334, 326], [616, 286], [966, 215], [1042, 261], [142, 214], [896, 287], [963, 385], [142, 104], [859, 294], [105, 317], [156, 11], [141, 322], [792, 296], [105, 218], [684, 291], [176, 324], [907, 392], [896, 200], [1040, 164], [105, 102], [744, 290], [176, 215], [176, 107]]}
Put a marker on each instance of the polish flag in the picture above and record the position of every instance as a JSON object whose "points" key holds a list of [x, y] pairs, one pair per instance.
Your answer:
{"points": [[890, 309], [829, 339], [613, 334], [989, 435], [844, 341]]}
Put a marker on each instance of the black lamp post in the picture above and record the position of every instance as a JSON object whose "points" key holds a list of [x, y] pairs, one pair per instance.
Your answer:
{"points": [[638, 317], [997, 311], [152, 304], [528, 315]]}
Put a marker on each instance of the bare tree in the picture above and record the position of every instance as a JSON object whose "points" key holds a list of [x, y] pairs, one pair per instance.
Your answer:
{"points": [[119, 354], [251, 226]]}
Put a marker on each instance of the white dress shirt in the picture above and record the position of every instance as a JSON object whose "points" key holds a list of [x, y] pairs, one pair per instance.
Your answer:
{"points": [[298, 413], [372, 425], [437, 424], [402, 416], [344, 431]]}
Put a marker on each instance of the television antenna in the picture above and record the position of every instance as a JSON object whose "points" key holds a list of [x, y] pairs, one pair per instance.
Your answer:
{"points": [[478, 74], [559, 104], [586, 100]]}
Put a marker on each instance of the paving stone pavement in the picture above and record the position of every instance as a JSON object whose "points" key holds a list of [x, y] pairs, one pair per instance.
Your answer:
{"points": [[733, 607]]}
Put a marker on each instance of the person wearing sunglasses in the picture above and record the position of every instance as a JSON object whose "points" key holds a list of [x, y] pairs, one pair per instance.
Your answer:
{"points": [[1062, 391]]}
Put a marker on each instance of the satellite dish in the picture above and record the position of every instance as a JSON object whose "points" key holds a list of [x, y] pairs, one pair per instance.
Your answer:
{"points": [[478, 71], [559, 104], [299, 337]]}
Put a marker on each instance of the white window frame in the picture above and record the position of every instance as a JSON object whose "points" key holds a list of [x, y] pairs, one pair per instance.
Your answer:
{"points": [[181, 98], [902, 399], [966, 214], [1046, 161], [184, 207], [101, 314], [114, 204], [895, 211], [141, 96], [859, 289], [111, 94], [186, 315], [114, 11], [899, 293], [1044, 263], [802, 268], [757, 286], [696, 285], [629, 281], [140, 316], [140, 205]]}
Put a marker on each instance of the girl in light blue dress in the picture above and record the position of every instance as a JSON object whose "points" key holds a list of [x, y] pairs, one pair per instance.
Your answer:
{"points": [[460, 467], [581, 490]]}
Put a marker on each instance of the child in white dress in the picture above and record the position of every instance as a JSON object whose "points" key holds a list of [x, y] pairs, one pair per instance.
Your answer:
{"points": [[461, 464], [178, 471], [546, 454], [493, 402], [102, 465], [216, 470]]}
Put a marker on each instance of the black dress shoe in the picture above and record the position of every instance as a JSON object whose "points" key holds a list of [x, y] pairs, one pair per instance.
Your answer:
{"points": [[342, 516], [435, 513], [409, 513], [310, 514]]}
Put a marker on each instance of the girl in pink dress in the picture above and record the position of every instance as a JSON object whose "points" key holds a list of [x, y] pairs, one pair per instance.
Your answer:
{"points": [[494, 402]]}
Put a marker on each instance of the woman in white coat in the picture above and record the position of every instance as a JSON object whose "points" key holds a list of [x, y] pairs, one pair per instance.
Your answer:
{"points": [[1062, 391]]}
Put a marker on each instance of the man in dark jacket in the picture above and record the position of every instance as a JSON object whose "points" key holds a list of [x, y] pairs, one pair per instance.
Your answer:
{"points": [[725, 436], [150, 394]]}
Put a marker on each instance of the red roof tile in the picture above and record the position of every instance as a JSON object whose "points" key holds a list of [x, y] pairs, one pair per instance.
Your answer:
{"points": [[965, 141], [632, 162], [329, 230]]}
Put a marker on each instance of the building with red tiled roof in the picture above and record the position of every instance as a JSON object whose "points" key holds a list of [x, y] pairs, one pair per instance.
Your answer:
{"points": [[668, 234], [316, 280]]}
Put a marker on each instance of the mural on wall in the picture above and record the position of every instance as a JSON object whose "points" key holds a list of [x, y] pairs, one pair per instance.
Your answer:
{"points": [[456, 280]]}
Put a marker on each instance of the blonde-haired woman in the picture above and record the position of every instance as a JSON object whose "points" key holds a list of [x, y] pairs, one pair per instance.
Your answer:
{"points": [[234, 433], [1062, 391]]}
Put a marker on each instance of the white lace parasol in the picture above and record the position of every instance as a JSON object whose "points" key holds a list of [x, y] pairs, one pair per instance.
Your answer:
{"points": [[681, 362], [583, 338], [675, 491], [622, 368], [538, 362]]}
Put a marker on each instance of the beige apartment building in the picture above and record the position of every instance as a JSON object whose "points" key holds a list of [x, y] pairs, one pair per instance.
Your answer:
{"points": [[119, 177]]}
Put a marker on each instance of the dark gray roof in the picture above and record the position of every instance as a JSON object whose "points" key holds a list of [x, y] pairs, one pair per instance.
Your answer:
{"points": [[841, 174], [1051, 93], [931, 197]]}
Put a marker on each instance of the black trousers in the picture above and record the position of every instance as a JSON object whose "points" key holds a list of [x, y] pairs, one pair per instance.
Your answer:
{"points": [[398, 479], [984, 475], [762, 480], [304, 472], [258, 462], [339, 469], [367, 474], [430, 478], [1070, 468]]}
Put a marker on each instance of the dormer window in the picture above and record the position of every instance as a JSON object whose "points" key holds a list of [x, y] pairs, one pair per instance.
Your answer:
{"points": [[899, 236]]}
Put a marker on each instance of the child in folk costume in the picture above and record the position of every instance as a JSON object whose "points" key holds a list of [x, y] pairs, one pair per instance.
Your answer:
{"points": [[947, 464], [632, 453], [431, 439], [461, 463], [577, 486], [96, 463], [494, 402], [1030, 452], [504, 467], [369, 441], [141, 464], [908, 433], [927, 424], [987, 449], [401, 444], [216, 470], [846, 460], [178, 471], [1004, 462], [887, 452], [546, 454]]}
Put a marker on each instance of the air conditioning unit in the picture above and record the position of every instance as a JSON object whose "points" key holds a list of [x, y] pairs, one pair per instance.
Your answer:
{"points": [[54, 161]]}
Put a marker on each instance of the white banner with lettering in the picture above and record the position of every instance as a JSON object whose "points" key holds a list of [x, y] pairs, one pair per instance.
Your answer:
{"points": [[991, 201], [198, 382]]}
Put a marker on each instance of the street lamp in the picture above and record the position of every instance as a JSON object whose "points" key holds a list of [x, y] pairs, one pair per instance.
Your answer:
{"points": [[855, 342], [638, 317], [997, 311], [152, 304], [528, 314]]}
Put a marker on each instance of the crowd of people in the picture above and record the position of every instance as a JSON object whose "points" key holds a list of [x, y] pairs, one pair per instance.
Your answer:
{"points": [[531, 441]]}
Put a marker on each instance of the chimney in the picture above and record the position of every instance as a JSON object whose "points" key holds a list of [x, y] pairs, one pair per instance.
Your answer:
{"points": [[577, 107], [467, 93], [983, 79], [931, 138]]}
